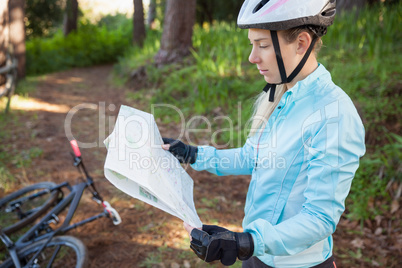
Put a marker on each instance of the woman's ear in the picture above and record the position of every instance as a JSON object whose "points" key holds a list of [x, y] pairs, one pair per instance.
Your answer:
{"points": [[303, 43]]}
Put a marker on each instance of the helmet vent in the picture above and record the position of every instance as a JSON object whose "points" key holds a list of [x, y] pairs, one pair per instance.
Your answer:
{"points": [[329, 13], [260, 5]]}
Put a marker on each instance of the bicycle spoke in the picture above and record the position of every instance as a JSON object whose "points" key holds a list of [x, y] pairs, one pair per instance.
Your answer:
{"points": [[22, 207], [56, 251]]}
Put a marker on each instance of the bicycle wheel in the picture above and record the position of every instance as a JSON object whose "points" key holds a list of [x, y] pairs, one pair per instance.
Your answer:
{"points": [[61, 251], [25, 205]]}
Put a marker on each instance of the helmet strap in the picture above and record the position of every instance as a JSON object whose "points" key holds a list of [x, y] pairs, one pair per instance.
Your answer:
{"points": [[279, 60], [271, 88], [303, 61], [281, 66]]}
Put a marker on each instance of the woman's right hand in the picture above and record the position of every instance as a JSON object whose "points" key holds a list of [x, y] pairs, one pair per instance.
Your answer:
{"points": [[183, 152]]}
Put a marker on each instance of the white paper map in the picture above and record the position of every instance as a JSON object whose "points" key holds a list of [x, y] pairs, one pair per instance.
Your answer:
{"points": [[137, 165]]}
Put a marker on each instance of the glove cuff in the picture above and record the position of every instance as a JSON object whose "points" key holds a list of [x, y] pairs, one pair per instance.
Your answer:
{"points": [[245, 246], [192, 154]]}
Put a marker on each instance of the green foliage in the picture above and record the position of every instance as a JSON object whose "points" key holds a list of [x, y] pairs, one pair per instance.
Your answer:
{"points": [[89, 45], [363, 54], [42, 17], [27, 85], [160, 10], [134, 56], [213, 81], [25, 157], [210, 10], [159, 257], [12, 160], [112, 22], [155, 258], [369, 196], [6, 178]]}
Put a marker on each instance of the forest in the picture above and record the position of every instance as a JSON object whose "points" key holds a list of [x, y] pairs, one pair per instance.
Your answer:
{"points": [[189, 54]]}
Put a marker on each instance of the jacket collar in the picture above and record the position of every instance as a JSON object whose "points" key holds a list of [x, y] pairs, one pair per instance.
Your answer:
{"points": [[303, 87]]}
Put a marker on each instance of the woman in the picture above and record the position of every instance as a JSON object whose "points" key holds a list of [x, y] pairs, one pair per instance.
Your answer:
{"points": [[302, 152]]}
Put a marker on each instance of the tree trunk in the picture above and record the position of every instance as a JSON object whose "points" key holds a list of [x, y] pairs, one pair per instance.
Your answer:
{"points": [[17, 33], [177, 32], [139, 24], [3, 38], [70, 17], [151, 14]]}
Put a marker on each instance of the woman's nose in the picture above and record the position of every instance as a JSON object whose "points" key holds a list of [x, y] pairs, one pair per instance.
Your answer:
{"points": [[254, 58]]}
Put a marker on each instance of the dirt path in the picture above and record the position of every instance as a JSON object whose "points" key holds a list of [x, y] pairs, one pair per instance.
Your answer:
{"points": [[147, 237]]}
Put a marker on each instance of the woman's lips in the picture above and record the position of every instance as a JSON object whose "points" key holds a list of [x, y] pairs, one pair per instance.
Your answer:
{"points": [[263, 72]]}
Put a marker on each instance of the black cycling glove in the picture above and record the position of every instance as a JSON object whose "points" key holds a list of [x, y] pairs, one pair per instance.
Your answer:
{"points": [[217, 243], [183, 152]]}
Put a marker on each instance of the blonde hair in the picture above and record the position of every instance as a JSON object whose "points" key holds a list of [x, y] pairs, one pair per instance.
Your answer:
{"points": [[263, 108]]}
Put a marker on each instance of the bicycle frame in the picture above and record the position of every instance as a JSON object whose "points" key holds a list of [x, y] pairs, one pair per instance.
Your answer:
{"points": [[11, 248], [32, 235], [71, 201]]}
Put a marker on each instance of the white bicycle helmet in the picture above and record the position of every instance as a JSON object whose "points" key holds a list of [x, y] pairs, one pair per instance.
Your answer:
{"points": [[276, 15], [279, 15]]}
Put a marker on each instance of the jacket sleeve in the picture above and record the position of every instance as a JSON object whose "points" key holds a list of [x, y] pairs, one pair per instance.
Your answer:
{"points": [[239, 161], [333, 158]]}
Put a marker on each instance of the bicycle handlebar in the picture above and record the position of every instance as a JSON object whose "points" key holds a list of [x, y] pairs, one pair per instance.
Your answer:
{"points": [[76, 149]]}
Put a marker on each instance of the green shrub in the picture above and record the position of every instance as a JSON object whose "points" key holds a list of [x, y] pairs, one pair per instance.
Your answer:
{"points": [[134, 56], [369, 196], [363, 54], [89, 45]]}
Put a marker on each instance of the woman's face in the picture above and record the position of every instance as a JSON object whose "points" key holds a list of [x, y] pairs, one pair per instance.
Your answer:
{"points": [[263, 55]]}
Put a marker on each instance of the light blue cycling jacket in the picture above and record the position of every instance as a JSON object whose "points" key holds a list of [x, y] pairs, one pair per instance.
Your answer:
{"points": [[301, 165]]}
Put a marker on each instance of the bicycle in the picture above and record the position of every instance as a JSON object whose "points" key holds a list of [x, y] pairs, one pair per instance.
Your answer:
{"points": [[41, 244]]}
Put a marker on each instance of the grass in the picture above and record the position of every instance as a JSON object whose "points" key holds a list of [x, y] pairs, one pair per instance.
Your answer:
{"points": [[184, 258], [363, 54], [6, 178], [14, 162], [135, 57], [361, 51], [365, 64]]}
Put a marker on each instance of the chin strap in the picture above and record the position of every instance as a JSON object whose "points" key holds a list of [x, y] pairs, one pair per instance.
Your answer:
{"points": [[281, 66], [271, 88]]}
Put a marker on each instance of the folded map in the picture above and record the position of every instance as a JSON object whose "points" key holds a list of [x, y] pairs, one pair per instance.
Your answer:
{"points": [[137, 165]]}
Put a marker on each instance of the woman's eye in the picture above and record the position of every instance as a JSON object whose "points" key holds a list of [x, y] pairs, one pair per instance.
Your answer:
{"points": [[260, 46]]}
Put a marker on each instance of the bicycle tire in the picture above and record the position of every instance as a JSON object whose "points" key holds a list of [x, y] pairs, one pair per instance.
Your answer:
{"points": [[73, 251], [11, 221]]}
